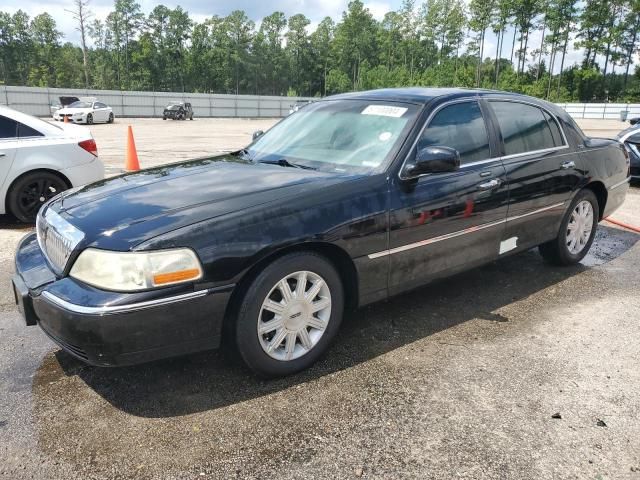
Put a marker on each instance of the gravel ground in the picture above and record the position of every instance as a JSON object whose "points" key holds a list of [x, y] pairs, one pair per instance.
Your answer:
{"points": [[459, 379]]}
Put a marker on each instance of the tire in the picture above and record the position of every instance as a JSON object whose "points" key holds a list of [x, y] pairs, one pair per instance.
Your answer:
{"points": [[267, 287], [563, 250], [110, 118], [164, 118], [31, 191], [89, 119]]}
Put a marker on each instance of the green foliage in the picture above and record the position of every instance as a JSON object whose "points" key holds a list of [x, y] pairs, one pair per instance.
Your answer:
{"points": [[433, 43]]}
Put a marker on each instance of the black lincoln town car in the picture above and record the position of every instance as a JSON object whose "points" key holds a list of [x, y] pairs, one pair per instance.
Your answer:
{"points": [[350, 200]]}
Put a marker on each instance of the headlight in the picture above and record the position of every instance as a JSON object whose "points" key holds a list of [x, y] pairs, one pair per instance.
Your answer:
{"points": [[132, 271]]}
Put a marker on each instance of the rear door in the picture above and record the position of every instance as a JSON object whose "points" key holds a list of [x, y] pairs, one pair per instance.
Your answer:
{"points": [[447, 222], [542, 170], [8, 146]]}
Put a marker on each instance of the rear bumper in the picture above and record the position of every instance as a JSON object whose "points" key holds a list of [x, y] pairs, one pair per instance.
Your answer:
{"points": [[115, 329], [85, 173]]}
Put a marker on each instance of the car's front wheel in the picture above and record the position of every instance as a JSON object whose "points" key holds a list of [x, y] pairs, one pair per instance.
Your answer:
{"points": [[577, 231], [31, 191], [289, 314], [89, 119]]}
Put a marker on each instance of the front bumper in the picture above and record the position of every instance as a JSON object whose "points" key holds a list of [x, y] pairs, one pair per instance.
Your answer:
{"points": [[115, 329]]}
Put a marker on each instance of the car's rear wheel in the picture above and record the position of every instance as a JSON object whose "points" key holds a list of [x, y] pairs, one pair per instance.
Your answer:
{"points": [[31, 191], [110, 118], [289, 314], [89, 119], [577, 231]]}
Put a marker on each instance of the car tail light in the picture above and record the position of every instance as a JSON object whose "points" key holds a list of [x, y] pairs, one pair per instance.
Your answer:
{"points": [[90, 146]]}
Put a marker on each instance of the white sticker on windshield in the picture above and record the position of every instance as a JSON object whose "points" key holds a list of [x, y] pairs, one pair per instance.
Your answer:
{"points": [[384, 111], [384, 136]]}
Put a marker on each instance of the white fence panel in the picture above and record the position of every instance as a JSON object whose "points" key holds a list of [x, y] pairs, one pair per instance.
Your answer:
{"points": [[609, 111], [37, 101]]}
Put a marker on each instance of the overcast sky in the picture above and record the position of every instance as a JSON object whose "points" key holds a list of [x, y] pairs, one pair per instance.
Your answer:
{"points": [[315, 10]]}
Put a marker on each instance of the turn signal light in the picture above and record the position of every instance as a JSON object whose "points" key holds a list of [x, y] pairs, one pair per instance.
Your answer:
{"points": [[173, 277], [90, 146]]}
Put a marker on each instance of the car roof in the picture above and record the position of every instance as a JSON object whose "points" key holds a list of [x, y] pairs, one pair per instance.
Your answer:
{"points": [[40, 125], [422, 95]]}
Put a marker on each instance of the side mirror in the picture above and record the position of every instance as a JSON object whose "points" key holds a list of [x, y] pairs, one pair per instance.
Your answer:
{"points": [[257, 134], [433, 160]]}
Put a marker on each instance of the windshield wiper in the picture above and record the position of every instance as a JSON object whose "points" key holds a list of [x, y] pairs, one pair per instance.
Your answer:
{"points": [[283, 162]]}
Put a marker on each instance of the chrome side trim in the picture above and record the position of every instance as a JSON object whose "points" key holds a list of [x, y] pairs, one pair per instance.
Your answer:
{"points": [[540, 210], [619, 184], [534, 152], [113, 309], [466, 231]]}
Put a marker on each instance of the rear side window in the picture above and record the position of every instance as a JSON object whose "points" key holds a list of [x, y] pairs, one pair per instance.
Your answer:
{"points": [[8, 128], [524, 127], [26, 131], [460, 126]]}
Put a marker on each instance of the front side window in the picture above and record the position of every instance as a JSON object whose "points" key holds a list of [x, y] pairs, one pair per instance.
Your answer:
{"points": [[459, 126], [524, 127], [8, 128], [338, 135]]}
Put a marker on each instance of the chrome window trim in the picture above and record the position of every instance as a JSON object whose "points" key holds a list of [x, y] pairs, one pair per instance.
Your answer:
{"points": [[619, 184], [466, 231], [534, 152], [133, 307], [426, 125]]}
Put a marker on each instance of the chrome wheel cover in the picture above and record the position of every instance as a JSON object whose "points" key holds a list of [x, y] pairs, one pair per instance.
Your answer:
{"points": [[294, 316], [579, 228]]}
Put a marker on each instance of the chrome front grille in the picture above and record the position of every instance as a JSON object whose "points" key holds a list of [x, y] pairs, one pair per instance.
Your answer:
{"points": [[57, 238]]}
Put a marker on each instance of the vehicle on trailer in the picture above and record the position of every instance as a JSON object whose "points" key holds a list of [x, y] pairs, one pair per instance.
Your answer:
{"points": [[355, 198], [38, 160], [88, 111], [178, 111], [631, 140]]}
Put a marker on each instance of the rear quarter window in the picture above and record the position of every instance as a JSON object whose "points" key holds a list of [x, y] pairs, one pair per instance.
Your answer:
{"points": [[25, 131]]}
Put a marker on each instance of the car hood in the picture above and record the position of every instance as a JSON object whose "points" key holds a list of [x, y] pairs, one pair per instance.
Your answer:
{"points": [[121, 212]]}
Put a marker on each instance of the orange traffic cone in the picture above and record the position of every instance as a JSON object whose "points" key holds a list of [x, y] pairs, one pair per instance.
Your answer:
{"points": [[66, 119], [131, 164]]}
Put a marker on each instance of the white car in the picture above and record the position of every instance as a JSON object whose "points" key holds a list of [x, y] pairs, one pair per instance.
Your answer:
{"points": [[83, 111], [39, 159]]}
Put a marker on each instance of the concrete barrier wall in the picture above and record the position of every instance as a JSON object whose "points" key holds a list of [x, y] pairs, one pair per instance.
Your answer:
{"points": [[37, 101], [609, 111]]}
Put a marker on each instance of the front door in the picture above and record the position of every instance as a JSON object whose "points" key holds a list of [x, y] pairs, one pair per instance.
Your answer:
{"points": [[447, 222]]}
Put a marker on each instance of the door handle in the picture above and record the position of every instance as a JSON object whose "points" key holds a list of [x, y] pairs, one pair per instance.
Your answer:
{"points": [[495, 183], [568, 165]]}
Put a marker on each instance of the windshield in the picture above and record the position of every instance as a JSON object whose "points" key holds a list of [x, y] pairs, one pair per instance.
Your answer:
{"points": [[337, 135], [80, 104], [173, 107]]}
